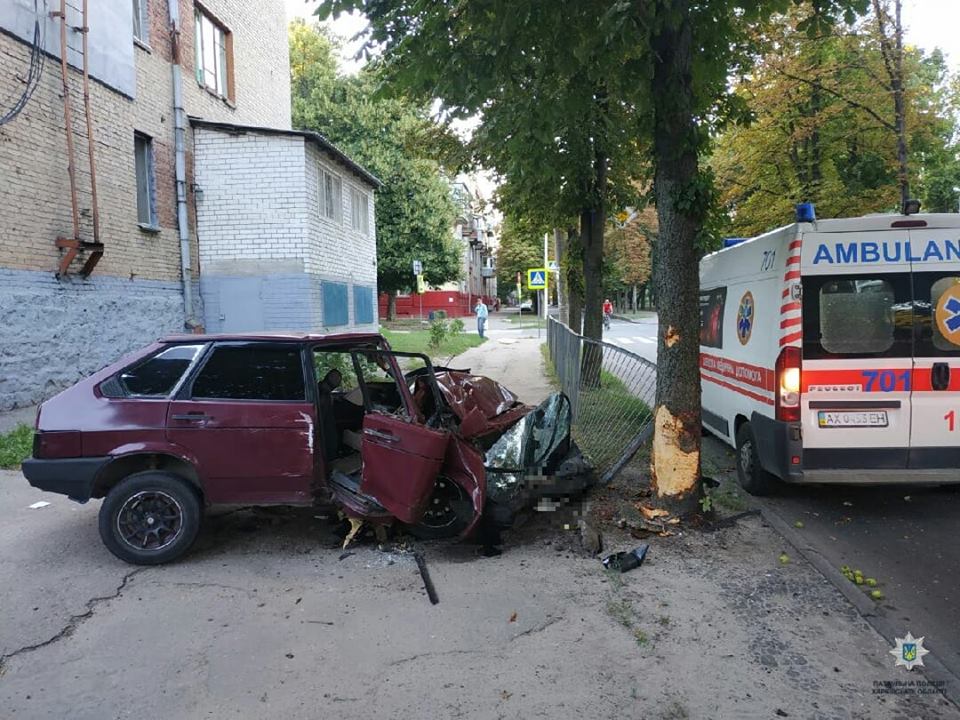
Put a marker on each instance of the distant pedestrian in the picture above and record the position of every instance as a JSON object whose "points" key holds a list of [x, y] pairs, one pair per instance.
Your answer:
{"points": [[482, 313]]}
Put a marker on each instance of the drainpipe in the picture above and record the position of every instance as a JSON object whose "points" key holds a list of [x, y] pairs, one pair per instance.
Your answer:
{"points": [[180, 164]]}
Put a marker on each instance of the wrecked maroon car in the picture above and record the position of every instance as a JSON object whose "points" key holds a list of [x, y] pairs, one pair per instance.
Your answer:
{"points": [[199, 420]]}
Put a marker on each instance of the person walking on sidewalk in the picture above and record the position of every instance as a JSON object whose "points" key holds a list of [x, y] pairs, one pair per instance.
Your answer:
{"points": [[482, 313]]}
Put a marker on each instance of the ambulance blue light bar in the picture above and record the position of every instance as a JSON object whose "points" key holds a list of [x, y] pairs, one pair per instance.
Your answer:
{"points": [[730, 242], [806, 213]]}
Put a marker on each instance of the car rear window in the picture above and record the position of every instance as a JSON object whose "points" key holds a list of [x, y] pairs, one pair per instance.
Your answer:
{"points": [[857, 316], [156, 376], [250, 372]]}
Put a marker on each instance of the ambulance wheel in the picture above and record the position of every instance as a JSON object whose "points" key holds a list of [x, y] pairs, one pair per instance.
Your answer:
{"points": [[753, 478]]}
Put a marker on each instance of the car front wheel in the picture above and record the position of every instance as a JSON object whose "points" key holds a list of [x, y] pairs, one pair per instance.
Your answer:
{"points": [[448, 512], [150, 518]]}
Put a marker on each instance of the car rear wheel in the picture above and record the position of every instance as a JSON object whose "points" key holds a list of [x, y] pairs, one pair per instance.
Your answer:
{"points": [[448, 512], [150, 518], [753, 478]]}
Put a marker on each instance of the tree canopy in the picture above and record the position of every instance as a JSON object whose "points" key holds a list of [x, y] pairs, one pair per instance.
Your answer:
{"points": [[823, 127], [396, 140], [581, 103]]}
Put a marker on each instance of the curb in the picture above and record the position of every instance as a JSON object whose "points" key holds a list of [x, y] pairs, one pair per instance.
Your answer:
{"points": [[933, 669], [633, 320]]}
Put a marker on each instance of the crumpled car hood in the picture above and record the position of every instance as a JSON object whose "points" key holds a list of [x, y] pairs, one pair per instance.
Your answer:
{"points": [[482, 405]]}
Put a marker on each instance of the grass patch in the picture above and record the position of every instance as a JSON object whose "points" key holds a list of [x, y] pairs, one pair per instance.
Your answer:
{"points": [[609, 416], [15, 446], [404, 324], [728, 496], [418, 341], [548, 368]]}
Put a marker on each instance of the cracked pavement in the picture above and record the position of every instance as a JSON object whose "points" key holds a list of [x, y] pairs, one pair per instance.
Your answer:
{"points": [[262, 619]]}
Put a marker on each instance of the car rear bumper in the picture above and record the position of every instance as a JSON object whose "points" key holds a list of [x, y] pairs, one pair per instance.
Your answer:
{"points": [[73, 477], [905, 476]]}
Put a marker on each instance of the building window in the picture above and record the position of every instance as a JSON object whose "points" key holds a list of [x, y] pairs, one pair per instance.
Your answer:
{"points": [[362, 305], [214, 55], [146, 186], [331, 195], [335, 308], [360, 211], [141, 22]]}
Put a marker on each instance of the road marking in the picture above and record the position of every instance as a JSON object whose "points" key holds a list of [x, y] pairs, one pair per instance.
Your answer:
{"points": [[626, 341], [649, 341]]}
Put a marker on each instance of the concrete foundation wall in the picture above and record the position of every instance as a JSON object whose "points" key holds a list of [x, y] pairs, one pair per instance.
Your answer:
{"points": [[272, 302], [53, 334]]}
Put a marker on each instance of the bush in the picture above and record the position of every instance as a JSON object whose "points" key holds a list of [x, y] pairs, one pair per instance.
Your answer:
{"points": [[438, 333], [456, 327]]}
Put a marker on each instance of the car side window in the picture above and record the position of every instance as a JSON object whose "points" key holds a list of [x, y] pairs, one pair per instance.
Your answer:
{"points": [[156, 376], [711, 316], [251, 372]]}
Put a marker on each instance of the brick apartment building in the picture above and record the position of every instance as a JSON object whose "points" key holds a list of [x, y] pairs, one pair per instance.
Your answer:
{"points": [[59, 322]]}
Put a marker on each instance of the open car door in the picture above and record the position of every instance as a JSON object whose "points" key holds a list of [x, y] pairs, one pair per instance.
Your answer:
{"points": [[402, 454]]}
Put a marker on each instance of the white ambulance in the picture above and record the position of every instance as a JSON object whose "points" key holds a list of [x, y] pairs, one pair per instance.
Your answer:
{"points": [[830, 350]]}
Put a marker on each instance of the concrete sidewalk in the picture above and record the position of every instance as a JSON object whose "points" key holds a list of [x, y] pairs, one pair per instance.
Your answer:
{"points": [[516, 362]]}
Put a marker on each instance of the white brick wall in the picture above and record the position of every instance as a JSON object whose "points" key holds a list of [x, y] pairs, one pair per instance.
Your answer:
{"points": [[254, 206], [336, 249], [261, 213]]}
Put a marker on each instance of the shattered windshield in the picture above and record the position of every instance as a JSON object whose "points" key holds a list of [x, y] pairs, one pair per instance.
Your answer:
{"points": [[526, 447]]}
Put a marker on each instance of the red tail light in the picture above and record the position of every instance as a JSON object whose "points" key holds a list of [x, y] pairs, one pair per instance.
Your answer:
{"points": [[53, 445], [788, 385]]}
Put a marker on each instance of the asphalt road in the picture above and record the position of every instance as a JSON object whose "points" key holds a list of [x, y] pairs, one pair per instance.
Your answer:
{"points": [[905, 537], [638, 337]]}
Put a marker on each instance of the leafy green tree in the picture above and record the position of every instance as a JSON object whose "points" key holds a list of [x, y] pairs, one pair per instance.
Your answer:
{"points": [[398, 142], [521, 248], [577, 99], [824, 128]]}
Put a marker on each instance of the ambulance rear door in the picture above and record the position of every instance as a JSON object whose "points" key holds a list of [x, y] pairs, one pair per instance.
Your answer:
{"points": [[857, 350], [935, 436]]}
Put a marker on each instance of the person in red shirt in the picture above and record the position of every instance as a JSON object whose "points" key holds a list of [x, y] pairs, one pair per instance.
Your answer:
{"points": [[607, 312]]}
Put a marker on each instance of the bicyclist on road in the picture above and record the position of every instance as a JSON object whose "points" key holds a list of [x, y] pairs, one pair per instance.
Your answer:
{"points": [[607, 313]]}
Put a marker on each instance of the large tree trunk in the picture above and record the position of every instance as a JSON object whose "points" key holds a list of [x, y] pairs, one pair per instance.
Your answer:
{"points": [[391, 305], [675, 462], [574, 274]]}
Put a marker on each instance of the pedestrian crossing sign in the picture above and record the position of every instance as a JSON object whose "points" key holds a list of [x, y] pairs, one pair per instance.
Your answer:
{"points": [[537, 279]]}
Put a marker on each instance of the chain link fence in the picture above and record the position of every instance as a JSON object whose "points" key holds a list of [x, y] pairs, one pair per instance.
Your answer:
{"points": [[612, 393]]}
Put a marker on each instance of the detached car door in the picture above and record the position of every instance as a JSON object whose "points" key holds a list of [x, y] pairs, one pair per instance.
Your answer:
{"points": [[247, 420], [402, 456]]}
